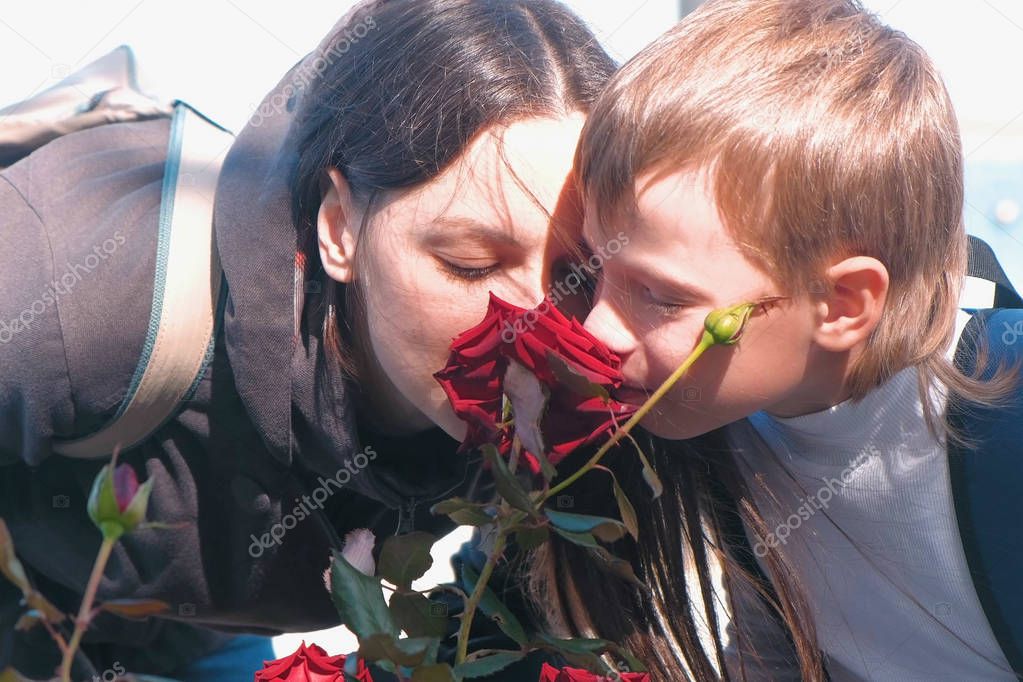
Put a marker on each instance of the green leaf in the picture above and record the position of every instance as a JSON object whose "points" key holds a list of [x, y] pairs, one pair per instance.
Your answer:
{"points": [[507, 485], [635, 665], [102, 504], [581, 539], [649, 475], [405, 558], [463, 512], [610, 563], [652, 480], [136, 511], [487, 665], [135, 608], [572, 379], [531, 537], [439, 672], [578, 645], [359, 600], [625, 508], [628, 512], [405, 652], [493, 608], [418, 616], [603, 528]]}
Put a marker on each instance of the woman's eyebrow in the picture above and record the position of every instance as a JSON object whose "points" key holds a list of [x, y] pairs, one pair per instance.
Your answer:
{"points": [[452, 229]]}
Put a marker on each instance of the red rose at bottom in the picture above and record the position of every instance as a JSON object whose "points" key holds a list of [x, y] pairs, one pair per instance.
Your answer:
{"points": [[309, 664], [551, 674]]}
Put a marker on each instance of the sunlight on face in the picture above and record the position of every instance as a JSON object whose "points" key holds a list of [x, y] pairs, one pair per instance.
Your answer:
{"points": [[679, 265], [432, 254]]}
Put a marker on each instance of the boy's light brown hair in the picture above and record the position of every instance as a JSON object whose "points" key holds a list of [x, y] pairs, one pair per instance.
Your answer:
{"points": [[826, 134]]}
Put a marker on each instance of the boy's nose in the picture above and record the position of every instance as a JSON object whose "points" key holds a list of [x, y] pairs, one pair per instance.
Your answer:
{"points": [[607, 324]]}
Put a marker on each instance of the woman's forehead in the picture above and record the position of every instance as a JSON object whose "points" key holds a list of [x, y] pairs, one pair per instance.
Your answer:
{"points": [[518, 179]]}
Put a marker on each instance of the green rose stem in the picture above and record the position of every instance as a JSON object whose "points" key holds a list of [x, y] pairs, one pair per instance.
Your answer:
{"points": [[477, 594], [85, 611], [117, 505], [721, 327]]}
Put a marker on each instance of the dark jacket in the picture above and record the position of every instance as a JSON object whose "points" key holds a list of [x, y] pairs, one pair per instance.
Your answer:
{"points": [[78, 229]]}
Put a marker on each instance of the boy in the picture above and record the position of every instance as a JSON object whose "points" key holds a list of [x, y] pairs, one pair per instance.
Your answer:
{"points": [[801, 148]]}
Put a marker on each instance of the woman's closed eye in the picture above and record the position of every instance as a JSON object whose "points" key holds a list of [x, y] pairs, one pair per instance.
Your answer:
{"points": [[467, 271]]}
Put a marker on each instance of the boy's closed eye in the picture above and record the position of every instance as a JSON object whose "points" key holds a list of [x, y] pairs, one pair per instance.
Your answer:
{"points": [[664, 303]]}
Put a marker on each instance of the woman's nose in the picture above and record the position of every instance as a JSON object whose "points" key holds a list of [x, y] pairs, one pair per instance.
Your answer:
{"points": [[607, 324]]}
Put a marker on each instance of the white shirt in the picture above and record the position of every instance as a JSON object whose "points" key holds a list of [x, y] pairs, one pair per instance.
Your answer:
{"points": [[864, 513]]}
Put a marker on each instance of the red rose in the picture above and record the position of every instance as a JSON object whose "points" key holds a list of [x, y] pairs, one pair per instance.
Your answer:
{"points": [[309, 664], [473, 379], [551, 674]]}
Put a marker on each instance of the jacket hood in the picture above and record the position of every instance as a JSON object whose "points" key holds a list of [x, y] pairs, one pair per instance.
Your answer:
{"points": [[271, 321]]}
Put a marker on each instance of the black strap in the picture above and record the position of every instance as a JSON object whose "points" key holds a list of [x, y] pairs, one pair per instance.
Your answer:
{"points": [[986, 481], [984, 264]]}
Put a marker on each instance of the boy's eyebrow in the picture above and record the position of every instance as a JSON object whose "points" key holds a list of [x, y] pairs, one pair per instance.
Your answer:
{"points": [[691, 292]]}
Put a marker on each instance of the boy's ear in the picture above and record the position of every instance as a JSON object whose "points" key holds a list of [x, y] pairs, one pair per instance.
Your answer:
{"points": [[335, 228], [851, 309]]}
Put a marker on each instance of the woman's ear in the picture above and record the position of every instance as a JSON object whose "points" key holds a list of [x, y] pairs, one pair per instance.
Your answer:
{"points": [[851, 309], [336, 228]]}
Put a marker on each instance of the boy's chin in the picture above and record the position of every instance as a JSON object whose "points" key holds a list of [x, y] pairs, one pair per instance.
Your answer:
{"points": [[680, 425]]}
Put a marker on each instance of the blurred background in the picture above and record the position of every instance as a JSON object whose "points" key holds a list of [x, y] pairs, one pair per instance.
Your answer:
{"points": [[222, 56]]}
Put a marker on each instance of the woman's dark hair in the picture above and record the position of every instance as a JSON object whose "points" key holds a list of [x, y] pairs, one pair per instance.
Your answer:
{"points": [[407, 85], [696, 526]]}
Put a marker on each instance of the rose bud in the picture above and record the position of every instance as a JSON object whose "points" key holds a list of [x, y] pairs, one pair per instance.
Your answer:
{"points": [[117, 503], [725, 325]]}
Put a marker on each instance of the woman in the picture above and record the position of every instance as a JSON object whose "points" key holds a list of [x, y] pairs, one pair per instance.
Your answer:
{"points": [[418, 159]]}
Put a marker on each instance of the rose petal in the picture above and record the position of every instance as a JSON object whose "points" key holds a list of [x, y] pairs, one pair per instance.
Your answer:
{"points": [[126, 484]]}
